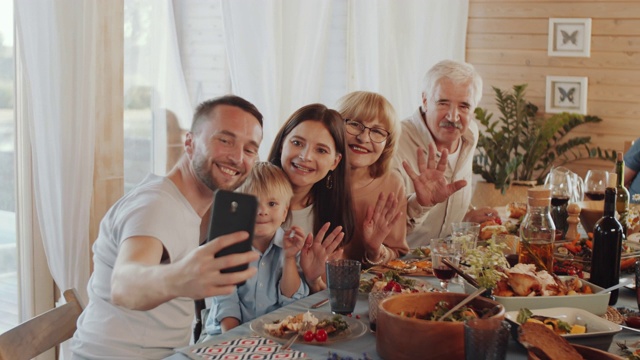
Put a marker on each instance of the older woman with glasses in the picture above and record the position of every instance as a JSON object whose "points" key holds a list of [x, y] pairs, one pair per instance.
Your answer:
{"points": [[377, 192]]}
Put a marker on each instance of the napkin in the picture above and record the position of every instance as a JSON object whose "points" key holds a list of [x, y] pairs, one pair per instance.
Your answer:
{"points": [[253, 348]]}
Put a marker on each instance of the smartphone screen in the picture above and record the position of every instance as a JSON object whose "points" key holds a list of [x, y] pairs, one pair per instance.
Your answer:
{"points": [[233, 212]]}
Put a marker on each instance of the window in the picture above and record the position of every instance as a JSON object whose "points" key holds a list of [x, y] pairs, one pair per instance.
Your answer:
{"points": [[8, 252], [158, 108]]}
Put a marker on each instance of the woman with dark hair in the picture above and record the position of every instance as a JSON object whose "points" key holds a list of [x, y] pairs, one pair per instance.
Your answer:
{"points": [[311, 149]]}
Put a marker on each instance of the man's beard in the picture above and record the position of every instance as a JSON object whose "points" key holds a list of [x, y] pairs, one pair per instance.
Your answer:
{"points": [[203, 173]]}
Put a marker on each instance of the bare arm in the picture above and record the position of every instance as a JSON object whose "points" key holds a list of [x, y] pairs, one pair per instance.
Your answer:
{"points": [[229, 323], [629, 175], [140, 282]]}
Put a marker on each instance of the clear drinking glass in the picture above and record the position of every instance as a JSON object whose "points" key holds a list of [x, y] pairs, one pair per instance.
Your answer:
{"points": [[444, 249]]}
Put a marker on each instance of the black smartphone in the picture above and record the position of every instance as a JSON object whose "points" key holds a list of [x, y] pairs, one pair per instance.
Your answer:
{"points": [[233, 212]]}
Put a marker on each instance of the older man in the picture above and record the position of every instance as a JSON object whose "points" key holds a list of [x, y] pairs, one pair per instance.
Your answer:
{"points": [[441, 134], [148, 263]]}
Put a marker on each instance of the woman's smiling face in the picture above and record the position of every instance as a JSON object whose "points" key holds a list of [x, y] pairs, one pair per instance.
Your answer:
{"points": [[308, 154], [365, 152]]}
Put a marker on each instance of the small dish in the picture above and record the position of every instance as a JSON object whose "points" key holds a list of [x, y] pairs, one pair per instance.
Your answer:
{"points": [[599, 333]]}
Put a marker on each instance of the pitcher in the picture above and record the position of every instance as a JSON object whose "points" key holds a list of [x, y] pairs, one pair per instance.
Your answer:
{"points": [[566, 186]]}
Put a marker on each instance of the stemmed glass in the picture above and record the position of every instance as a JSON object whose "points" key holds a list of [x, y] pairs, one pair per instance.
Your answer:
{"points": [[444, 249], [561, 184], [595, 184]]}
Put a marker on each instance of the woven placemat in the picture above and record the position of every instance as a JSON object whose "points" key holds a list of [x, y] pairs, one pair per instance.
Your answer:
{"points": [[613, 315]]}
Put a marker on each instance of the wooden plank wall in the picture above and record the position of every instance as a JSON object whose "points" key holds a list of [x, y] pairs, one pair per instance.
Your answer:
{"points": [[507, 42]]}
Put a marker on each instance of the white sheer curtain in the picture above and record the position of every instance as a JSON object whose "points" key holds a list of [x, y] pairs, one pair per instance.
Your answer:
{"points": [[153, 61], [393, 43], [56, 40], [277, 50]]}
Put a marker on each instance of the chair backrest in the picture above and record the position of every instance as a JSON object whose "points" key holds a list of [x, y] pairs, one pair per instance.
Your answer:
{"points": [[37, 335]]}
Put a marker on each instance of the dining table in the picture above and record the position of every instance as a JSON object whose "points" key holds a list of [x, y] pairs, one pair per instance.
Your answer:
{"points": [[358, 347]]}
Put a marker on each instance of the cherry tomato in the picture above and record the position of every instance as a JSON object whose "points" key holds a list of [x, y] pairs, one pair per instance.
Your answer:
{"points": [[321, 335], [633, 321], [308, 336]]}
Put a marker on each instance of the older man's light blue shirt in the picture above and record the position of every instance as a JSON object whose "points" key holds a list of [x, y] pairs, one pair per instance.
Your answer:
{"points": [[259, 295]]}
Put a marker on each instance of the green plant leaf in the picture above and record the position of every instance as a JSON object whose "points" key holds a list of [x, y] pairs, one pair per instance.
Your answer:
{"points": [[523, 145]]}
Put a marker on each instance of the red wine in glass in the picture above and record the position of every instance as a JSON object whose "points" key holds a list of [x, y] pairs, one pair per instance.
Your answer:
{"points": [[595, 195], [443, 272]]}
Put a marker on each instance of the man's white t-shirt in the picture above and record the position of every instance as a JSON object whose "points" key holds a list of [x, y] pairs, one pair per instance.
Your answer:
{"points": [[154, 208]]}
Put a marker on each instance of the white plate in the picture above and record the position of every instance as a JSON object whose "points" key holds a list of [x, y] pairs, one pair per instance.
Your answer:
{"points": [[635, 237], [593, 303], [596, 326], [356, 328]]}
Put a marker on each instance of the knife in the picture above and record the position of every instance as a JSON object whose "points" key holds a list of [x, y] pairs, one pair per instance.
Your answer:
{"points": [[319, 303]]}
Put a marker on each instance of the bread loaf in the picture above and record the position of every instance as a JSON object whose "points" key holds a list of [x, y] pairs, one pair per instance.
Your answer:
{"points": [[543, 343]]}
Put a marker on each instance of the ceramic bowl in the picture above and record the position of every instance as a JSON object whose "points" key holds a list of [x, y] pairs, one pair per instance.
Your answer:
{"points": [[399, 337]]}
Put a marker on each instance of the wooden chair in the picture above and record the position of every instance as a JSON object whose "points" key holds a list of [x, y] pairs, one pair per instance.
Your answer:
{"points": [[35, 336]]}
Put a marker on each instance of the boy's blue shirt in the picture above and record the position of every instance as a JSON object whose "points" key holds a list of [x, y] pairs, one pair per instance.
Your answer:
{"points": [[260, 294]]}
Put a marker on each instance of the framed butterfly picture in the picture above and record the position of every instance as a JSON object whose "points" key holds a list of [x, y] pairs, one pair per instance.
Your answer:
{"points": [[566, 94], [569, 37]]}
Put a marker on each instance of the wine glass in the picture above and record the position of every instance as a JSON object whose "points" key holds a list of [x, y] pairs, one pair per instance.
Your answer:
{"points": [[560, 182], [595, 184], [444, 249]]}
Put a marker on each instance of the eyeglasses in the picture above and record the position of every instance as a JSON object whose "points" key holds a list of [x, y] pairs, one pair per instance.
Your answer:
{"points": [[356, 128]]}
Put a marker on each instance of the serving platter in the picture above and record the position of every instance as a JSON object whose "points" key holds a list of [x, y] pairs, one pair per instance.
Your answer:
{"points": [[593, 303], [596, 326], [600, 332]]}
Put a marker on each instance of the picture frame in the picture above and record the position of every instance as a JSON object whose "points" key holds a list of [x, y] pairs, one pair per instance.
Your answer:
{"points": [[569, 37], [566, 94]]}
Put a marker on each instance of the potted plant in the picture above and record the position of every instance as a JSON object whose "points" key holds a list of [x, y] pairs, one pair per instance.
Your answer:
{"points": [[521, 146]]}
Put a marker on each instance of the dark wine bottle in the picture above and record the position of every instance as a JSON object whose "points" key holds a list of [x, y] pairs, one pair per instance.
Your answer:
{"points": [[607, 242]]}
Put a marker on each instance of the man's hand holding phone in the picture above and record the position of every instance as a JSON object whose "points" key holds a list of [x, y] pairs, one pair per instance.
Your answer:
{"points": [[202, 273]]}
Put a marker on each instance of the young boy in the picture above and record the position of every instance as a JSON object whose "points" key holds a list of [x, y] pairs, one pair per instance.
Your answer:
{"points": [[277, 282]]}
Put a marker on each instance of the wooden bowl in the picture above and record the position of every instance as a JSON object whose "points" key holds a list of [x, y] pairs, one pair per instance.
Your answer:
{"points": [[399, 337], [590, 213]]}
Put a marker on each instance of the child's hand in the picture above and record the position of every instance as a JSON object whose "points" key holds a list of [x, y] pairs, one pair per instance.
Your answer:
{"points": [[293, 242]]}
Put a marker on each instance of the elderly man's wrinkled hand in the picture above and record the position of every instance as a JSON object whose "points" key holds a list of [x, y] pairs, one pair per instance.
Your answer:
{"points": [[430, 184]]}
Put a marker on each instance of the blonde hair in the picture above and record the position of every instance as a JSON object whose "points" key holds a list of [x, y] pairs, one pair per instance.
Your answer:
{"points": [[366, 106], [267, 179]]}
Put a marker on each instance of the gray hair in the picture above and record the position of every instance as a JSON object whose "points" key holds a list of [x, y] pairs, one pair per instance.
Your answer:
{"points": [[458, 72]]}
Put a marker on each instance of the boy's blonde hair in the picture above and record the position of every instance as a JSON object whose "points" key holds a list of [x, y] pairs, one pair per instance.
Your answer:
{"points": [[267, 179]]}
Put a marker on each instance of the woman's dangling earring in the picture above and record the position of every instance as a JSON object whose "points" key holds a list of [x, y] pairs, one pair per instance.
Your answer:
{"points": [[329, 182]]}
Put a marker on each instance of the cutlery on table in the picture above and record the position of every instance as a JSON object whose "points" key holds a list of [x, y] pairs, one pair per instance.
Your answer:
{"points": [[459, 271], [319, 303], [290, 342], [623, 282]]}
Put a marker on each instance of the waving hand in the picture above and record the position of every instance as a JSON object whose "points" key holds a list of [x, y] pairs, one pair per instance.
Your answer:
{"points": [[430, 184]]}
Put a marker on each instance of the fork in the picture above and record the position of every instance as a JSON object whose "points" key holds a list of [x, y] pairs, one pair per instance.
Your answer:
{"points": [[303, 329], [290, 342]]}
